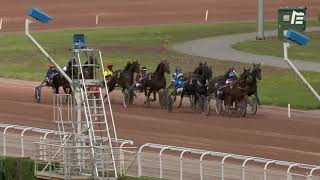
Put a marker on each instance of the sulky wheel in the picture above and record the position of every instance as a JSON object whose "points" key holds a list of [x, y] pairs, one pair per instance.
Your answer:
{"points": [[253, 105], [243, 107], [37, 94]]}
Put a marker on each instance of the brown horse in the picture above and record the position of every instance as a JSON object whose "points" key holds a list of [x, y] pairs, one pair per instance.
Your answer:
{"points": [[124, 78], [156, 81]]}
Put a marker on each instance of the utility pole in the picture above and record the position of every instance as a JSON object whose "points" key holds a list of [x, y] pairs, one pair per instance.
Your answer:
{"points": [[260, 35]]}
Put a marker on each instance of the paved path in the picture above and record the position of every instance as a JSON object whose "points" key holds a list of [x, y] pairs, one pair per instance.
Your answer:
{"points": [[220, 48]]}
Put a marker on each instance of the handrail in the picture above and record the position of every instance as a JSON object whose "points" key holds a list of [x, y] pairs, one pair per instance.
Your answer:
{"points": [[223, 155]]}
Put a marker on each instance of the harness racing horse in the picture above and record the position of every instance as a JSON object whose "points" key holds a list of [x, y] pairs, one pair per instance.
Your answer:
{"points": [[57, 81], [252, 83], [198, 89], [154, 82], [237, 92], [124, 78]]}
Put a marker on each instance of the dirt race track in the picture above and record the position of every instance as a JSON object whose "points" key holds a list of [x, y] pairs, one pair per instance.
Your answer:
{"points": [[269, 134], [82, 13]]}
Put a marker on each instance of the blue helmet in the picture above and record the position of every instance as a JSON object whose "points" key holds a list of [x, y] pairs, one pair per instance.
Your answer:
{"points": [[232, 74], [69, 62]]}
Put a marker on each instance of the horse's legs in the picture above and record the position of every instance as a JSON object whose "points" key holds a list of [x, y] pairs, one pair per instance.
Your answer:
{"points": [[154, 96], [228, 102], [56, 90], [257, 97], [181, 97], [148, 95]]}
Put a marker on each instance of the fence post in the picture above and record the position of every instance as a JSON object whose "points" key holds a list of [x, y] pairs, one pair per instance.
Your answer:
{"points": [[0, 23], [160, 159], [201, 168], [265, 169], [139, 159], [44, 146], [222, 165], [4, 138], [181, 163], [289, 175], [244, 167], [22, 140], [122, 157], [309, 177]]}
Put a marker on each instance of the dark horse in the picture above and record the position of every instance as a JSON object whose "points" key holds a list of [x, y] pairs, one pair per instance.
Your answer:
{"points": [[251, 81], [243, 87], [198, 87], [57, 81], [124, 78], [154, 82]]}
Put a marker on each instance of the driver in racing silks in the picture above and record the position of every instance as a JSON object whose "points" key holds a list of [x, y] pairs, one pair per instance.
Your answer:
{"points": [[68, 68], [140, 77], [176, 75], [52, 71], [108, 72], [231, 75]]}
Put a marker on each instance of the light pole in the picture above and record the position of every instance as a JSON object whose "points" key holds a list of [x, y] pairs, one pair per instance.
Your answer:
{"points": [[260, 35], [301, 40]]}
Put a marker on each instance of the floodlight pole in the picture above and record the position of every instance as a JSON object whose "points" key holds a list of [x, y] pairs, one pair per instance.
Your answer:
{"points": [[285, 53], [261, 20], [45, 53]]}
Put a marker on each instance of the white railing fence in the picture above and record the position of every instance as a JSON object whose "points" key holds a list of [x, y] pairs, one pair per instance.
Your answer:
{"points": [[168, 162], [171, 162]]}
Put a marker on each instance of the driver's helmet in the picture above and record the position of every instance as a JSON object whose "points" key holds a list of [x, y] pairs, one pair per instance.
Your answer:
{"points": [[69, 62], [232, 74], [109, 66], [178, 70], [144, 68], [50, 66], [178, 83]]}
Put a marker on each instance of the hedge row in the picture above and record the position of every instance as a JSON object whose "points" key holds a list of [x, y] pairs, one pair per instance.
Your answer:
{"points": [[13, 168], [17, 168]]}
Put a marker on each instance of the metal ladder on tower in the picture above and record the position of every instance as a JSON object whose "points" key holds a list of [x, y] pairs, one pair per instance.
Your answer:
{"points": [[97, 126]]}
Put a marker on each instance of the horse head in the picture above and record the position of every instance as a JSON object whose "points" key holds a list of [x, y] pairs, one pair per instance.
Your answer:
{"points": [[205, 74], [128, 65], [165, 65], [256, 71], [246, 75], [135, 66]]}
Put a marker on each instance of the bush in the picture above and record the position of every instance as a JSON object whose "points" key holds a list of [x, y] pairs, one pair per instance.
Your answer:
{"points": [[13, 168]]}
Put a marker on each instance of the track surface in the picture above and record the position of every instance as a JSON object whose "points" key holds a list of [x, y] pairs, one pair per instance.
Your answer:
{"points": [[269, 134], [82, 13]]}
